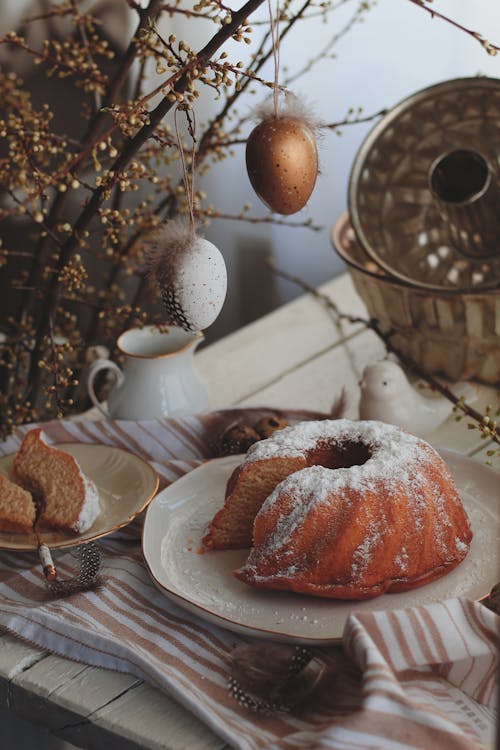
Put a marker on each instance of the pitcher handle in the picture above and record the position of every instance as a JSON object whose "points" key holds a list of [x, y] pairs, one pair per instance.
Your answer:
{"points": [[95, 367]]}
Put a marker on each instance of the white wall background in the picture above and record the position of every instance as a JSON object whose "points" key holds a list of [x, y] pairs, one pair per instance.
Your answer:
{"points": [[397, 50]]}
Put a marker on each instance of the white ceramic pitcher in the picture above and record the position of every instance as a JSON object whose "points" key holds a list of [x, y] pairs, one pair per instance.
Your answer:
{"points": [[158, 377]]}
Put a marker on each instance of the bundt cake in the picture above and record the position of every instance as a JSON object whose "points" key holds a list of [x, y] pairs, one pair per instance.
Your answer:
{"points": [[68, 499], [17, 510], [342, 509]]}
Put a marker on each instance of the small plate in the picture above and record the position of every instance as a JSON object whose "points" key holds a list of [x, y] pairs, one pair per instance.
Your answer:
{"points": [[125, 482], [202, 582]]}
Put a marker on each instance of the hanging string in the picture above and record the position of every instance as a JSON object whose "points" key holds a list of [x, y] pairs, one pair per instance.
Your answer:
{"points": [[188, 179], [274, 28]]}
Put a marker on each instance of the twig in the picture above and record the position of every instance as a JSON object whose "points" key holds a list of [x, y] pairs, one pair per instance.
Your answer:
{"points": [[80, 23], [130, 149], [356, 120], [491, 49], [269, 219], [489, 427], [261, 59]]}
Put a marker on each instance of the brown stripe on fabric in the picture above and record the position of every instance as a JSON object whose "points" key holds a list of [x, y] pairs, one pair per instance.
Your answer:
{"points": [[125, 621], [486, 693], [349, 637], [127, 596], [484, 690], [447, 667], [355, 644], [125, 439], [76, 614], [172, 428], [430, 687], [401, 639], [199, 632], [167, 452], [183, 436], [117, 629], [72, 639], [152, 646], [159, 653], [133, 667], [380, 668], [203, 438], [491, 630], [371, 623], [90, 432], [473, 616], [17, 563], [371, 681], [423, 706], [421, 635], [430, 676], [404, 730], [435, 634], [29, 593], [59, 432]]}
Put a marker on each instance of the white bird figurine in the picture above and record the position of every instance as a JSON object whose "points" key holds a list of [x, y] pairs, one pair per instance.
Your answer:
{"points": [[388, 396]]}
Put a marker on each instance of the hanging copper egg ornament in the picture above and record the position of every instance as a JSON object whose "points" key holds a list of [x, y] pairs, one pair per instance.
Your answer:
{"points": [[282, 163]]}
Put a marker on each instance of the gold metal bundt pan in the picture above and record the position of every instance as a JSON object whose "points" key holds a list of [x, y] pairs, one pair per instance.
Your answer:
{"points": [[391, 206]]}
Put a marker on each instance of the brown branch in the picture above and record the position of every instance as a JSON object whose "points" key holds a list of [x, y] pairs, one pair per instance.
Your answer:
{"points": [[79, 21], [146, 15], [128, 152], [356, 120], [356, 17], [270, 219], [329, 126], [206, 139], [492, 428], [93, 75], [88, 143], [490, 48]]}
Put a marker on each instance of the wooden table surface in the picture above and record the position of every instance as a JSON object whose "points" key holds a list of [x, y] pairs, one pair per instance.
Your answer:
{"points": [[295, 357]]}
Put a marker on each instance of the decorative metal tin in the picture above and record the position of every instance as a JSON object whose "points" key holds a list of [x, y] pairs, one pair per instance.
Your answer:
{"points": [[395, 215]]}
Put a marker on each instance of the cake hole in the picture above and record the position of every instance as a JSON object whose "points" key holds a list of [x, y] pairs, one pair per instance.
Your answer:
{"points": [[340, 456]]}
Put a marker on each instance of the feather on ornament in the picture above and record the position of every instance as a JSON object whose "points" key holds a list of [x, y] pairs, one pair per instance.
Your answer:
{"points": [[190, 273], [282, 156]]}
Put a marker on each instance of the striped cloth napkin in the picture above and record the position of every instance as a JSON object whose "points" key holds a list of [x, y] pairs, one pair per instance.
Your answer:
{"points": [[417, 678]]}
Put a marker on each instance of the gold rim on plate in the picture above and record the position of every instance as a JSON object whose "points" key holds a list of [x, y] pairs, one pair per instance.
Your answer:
{"points": [[202, 582], [126, 484]]}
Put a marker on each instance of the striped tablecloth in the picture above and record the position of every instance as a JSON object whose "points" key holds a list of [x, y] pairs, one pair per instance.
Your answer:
{"points": [[423, 677]]}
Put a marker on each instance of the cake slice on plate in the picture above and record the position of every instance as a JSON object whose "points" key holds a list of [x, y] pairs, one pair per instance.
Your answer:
{"points": [[68, 499], [17, 509]]}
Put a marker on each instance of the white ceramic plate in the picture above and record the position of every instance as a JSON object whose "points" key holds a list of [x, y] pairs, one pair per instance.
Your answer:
{"points": [[125, 482], [202, 582]]}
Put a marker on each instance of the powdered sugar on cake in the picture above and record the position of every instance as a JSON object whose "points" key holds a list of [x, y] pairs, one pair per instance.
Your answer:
{"points": [[90, 508], [299, 439], [318, 501]]}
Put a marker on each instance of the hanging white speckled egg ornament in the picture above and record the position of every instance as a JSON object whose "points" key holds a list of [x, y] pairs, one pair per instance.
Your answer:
{"points": [[191, 274], [282, 159]]}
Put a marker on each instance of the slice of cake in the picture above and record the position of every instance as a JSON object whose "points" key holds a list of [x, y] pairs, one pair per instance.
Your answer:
{"points": [[17, 509], [68, 499]]}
